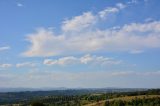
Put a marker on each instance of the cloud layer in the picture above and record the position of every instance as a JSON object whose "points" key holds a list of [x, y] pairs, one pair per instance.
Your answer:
{"points": [[82, 79], [25, 64], [5, 65], [86, 59]]}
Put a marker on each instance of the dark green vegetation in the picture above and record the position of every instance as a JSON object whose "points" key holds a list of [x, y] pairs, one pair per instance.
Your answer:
{"points": [[87, 97]]}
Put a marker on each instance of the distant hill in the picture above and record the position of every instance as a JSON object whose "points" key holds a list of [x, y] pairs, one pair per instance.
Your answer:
{"points": [[108, 89], [29, 89], [66, 94]]}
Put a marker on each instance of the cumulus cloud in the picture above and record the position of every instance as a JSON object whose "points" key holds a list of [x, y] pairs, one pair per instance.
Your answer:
{"points": [[81, 34], [86, 59], [6, 65], [4, 48], [135, 36], [45, 43], [25, 64]]}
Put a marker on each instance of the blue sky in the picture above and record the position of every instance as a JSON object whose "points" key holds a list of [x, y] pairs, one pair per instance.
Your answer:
{"points": [[79, 43]]}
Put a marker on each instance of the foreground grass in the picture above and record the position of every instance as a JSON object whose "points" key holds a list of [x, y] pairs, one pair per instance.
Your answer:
{"points": [[125, 98]]}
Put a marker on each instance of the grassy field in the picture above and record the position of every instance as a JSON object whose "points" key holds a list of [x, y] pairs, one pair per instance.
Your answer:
{"points": [[126, 98]]}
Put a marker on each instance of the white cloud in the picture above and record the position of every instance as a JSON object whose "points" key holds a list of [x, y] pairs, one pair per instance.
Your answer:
{"points": [[135, 36], [6, 65], [136, 51], [110, 10], [132, 2], [4, 48], [86, 59], [79, 23], [87, 20], [121, 5], [104, 14], [61, 61], [25, 64], [45, 43]]}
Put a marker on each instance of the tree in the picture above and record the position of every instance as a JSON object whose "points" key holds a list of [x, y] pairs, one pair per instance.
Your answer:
{"points": [[106, 103], [37, 104]]}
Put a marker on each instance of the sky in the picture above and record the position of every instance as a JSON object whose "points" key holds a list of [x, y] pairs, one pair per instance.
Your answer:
{"points": [[80, 43]]}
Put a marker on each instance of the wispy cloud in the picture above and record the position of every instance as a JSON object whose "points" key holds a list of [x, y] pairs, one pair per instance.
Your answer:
{"points": [[20, 4], [5, 65], [82, 79], [109, 10], [88, 19], [25, 64], [4, 48], [62, 61], [86, 59], [121, 5], [132, 2], [136, 51], [79, 23]]}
